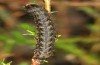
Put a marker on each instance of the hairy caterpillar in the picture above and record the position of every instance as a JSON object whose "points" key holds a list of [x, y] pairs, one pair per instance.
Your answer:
{"points": [[46, 33]]}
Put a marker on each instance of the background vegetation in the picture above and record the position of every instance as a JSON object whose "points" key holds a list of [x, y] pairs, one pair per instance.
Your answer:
{"points": [[79, 43]]}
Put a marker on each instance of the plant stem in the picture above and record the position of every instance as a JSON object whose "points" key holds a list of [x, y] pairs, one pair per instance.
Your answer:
{"points": [[47, 5], [35, 62]]}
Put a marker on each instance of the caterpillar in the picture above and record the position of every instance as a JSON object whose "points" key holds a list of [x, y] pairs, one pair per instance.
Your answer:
{"points": [[46, 33]]}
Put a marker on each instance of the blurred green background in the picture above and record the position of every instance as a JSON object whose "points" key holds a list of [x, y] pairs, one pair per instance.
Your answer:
{"points": [[79, 28]]}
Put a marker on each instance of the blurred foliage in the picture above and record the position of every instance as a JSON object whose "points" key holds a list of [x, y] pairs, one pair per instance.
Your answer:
{"points": [[25, 34], [2, 63], [18, 37]]}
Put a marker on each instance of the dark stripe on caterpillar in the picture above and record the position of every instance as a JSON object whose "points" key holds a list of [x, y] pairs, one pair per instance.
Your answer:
{"points": [[46, 33]]}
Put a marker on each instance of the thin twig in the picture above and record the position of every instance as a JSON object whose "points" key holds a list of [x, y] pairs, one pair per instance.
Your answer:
{"points": [[47, 5], [35, 62]]}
